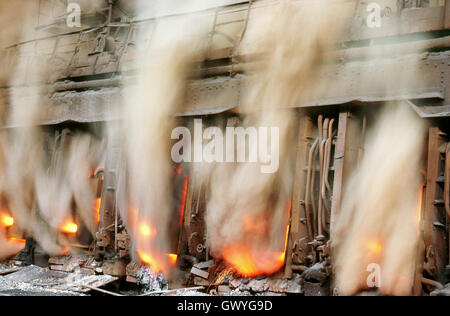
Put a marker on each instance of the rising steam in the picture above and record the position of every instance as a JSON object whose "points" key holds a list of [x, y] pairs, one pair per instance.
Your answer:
{"points": [[378, 221], [247, 210], [39, 194], [171, 47]]}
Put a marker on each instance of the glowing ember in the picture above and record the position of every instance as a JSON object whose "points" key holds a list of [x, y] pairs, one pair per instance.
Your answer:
{"points": [[183, 200], [283, 255], [146, 231], [6, 220], [97, 204], [172, 258], [17, 240], [255, 226], [153, 262], [419, 206], [251, 262], [15, 245], [69, 227], [374, 247], [93, 173], [156, 263]]}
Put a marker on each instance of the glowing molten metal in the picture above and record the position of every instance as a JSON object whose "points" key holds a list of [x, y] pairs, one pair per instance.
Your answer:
{"points": [[156, 262], [6, 220], [17, 240], [69, 227], [374, 247], [250, 261], [146, 231], [14, 244], [97, 204], [419, 207]]}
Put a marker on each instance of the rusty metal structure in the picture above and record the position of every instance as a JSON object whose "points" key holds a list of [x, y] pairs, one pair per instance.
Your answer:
{"points": [[89, 65]]}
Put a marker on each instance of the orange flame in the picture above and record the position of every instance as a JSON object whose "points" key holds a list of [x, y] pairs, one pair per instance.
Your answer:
{"points": [[152, 261], [183, 201], [255, 226], [97, 204], [147, 231], [251, 262], [419, 206], [286, 237], [157, 263], [15, 245], [69, 227], [65, 251], [172, 258], [374, 247], [17, 240], [6, 220]]}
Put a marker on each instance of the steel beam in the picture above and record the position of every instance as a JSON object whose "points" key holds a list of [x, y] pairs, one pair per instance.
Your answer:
{"points": [[298, 225], [346, 158], [434, 214]]}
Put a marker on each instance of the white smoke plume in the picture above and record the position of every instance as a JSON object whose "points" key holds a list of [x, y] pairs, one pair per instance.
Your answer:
{"points": [[247, 210], [38, 195], [167, 50], [378, 220]]}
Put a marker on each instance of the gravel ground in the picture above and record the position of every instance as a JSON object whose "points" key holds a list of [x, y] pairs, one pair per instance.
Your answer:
{"points": [[36, 292], [31, 281]]}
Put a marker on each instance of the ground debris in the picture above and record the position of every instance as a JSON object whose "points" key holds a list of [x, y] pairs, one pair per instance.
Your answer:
{"points": [[445, 291], [70, 263], [33, 280], [205, 264], [151, 281], [263, 284], [200, 273], [6, 269], [316, 273]]}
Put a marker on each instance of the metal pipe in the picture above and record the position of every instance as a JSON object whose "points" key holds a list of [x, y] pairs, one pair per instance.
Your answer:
{"points": [[66, 86], [299, 268], [321, 176], [330, 143], [346, 54], [432, 283], [390, 49], [308, 183], [326, 169], [99, 290], [320, 127], [109, 17], [313, 183]]}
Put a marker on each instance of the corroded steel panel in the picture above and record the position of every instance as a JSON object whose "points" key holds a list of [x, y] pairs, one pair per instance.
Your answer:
{"points": [[413, 77], [212, 96], [408, 77]]}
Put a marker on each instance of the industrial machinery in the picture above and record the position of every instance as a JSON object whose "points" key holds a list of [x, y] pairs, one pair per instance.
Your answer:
{"points": [[88, 66]]}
